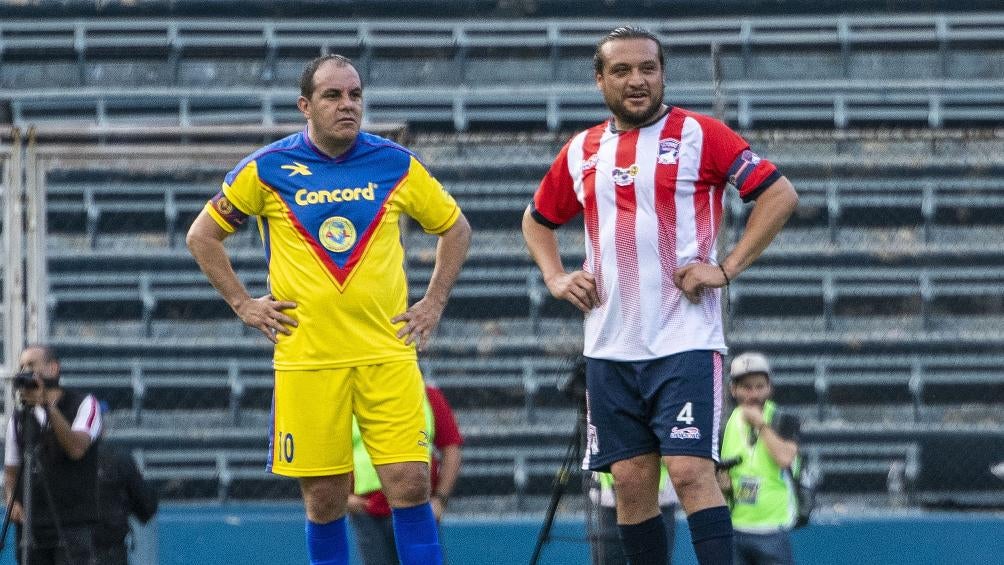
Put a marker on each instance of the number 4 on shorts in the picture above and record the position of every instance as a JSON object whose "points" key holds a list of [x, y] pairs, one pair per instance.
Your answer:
{"points": [[686, 415]]}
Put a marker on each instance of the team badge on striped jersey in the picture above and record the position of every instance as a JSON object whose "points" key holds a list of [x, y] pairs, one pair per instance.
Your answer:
{"points": [[669, 151], [625, 176]]}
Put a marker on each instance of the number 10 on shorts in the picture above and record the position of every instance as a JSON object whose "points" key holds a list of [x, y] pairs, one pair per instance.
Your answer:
{"points": [[284, 446]]}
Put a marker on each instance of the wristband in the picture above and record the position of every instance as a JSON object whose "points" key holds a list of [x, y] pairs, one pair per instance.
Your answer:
{"points": [[724, 274]]}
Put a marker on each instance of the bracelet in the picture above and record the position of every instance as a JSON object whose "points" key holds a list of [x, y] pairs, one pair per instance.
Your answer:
{"points": [[724, 274]]}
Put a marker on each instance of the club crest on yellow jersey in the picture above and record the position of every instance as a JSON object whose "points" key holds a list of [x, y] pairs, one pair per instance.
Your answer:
{"points": [[337, 234]]}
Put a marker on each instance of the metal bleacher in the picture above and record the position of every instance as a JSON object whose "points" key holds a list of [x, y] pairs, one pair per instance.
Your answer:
{"points": [[459, 74], [879, 334], [879, 305]]}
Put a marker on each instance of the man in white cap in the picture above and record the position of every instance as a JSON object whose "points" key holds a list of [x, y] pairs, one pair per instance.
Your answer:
{"points": [[759, 454]]}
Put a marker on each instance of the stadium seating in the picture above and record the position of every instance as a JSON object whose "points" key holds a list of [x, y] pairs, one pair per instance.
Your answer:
{"points": [[143, 329], [457, 74], [879, 305]]}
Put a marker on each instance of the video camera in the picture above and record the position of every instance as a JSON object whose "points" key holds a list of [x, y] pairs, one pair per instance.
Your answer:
{"points": [[26, 380]]}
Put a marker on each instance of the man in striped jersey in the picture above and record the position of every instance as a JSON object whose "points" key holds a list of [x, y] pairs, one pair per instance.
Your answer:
{"points": [[650, 182]]}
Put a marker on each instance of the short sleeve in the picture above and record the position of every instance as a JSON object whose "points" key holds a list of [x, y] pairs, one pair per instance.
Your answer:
{"points": [[11, 457], [732, 161], [88, 418], [425, 200], [241, 196], [555, 202]]}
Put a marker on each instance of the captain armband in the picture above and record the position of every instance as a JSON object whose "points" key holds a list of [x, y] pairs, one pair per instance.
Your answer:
{"points": [[226, 209]]}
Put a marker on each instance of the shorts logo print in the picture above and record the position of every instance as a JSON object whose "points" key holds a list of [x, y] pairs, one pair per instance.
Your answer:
{"points": [[691, 432]]}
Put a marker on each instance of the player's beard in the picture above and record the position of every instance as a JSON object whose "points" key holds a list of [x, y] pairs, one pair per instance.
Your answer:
{"points": [[632, 119]]}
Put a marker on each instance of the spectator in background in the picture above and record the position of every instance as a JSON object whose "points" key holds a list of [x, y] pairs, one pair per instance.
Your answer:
{"points": [[121, 492], [759, 448], [369, 513], [606, 546], [63, 425]]}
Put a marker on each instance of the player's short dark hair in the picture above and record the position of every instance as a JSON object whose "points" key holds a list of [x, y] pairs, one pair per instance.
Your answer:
{"points": [[307, 78], [626, 32]]}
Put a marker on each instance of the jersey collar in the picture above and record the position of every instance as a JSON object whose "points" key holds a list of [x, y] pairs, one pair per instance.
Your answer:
{"points": [[655, 119]]}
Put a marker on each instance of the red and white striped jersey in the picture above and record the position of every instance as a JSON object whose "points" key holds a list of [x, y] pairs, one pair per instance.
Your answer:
{"points": [[652, 200]]}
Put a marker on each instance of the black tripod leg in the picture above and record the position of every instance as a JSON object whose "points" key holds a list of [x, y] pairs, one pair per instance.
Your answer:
{"points": [[560, 482]]}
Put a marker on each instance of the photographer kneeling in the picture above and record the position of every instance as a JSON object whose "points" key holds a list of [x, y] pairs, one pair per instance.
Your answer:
{"points": [[63, 426]]}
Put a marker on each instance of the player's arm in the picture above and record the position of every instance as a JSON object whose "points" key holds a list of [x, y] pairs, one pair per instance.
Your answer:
{"points": [[205, 242], [422, 318], [770, 212], [451, 251], [577, 287]]}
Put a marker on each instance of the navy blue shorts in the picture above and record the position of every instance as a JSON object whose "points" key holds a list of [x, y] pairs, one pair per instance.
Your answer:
{"points": [[671, 406]]}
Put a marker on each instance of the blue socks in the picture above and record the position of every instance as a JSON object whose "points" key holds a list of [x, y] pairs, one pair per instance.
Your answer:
{"points": [[645, 543], [711, 532], [328, 544], [417, 536]]}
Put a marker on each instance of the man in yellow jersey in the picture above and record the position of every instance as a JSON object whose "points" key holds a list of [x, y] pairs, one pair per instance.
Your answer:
{"points": [[328, 200]]}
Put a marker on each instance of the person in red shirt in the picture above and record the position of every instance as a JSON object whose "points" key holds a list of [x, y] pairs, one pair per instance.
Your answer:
{"points": [[369, 512]]}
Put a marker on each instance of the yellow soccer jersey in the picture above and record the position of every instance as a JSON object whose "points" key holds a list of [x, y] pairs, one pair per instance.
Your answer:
{"points": [[332, 242]]}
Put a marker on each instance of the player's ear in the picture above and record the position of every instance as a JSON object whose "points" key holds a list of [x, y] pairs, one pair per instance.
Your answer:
{"points": [[304, 105]]}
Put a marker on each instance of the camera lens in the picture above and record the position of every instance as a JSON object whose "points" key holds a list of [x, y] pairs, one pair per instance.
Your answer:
{"points": [[25, 379]]}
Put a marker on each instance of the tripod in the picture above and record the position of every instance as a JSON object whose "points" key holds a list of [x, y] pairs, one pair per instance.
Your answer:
{"points": [[573, 455]]}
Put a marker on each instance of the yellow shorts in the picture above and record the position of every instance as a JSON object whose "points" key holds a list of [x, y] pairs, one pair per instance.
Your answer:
{"points": [[312, 418]]}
